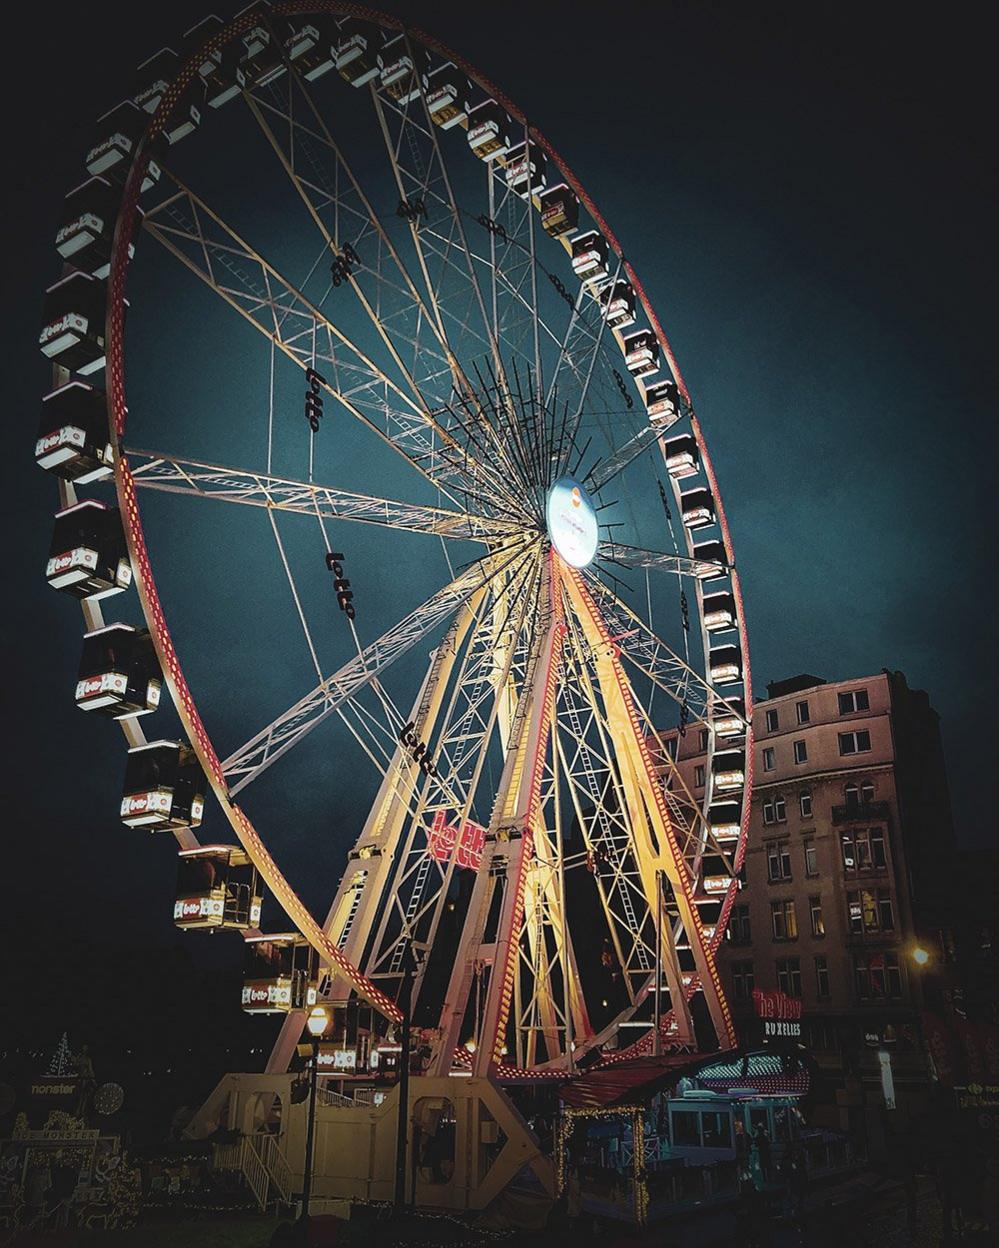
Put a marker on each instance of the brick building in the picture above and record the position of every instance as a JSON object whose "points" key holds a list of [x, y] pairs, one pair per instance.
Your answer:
{"points": [[846, 872]]}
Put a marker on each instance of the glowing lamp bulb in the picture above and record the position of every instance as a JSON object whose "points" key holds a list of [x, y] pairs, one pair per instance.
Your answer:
{"points": [[920, 956], [470, 1046], [317, 1021]]}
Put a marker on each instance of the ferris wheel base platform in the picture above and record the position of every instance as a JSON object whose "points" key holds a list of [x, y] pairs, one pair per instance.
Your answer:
{"points": [[467, 1142]]}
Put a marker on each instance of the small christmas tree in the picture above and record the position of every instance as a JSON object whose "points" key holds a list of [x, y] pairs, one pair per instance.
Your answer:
{"points": [[63, 1062]]}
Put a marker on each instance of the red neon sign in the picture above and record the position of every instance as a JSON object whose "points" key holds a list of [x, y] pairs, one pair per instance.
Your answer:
{"points": [[775, 1005], [444, 840]]}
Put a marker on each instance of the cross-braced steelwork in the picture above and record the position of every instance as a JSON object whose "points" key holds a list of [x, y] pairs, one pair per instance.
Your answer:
{"points": [[486, 498]]}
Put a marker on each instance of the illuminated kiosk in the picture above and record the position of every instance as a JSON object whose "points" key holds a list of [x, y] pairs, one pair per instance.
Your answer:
{"points": [[518, 386]]}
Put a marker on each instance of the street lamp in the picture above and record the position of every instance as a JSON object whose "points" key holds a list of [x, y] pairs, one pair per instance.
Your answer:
{"points": [[316, 1023], [920, 956]]}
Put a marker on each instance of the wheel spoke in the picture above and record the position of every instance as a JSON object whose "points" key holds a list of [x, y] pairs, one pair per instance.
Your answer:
{"points": [[175, 475], [635, 557], [263, 749]]}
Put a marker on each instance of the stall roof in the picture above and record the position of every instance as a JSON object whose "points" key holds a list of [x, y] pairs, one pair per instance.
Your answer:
{"points": [[626, 1083]]}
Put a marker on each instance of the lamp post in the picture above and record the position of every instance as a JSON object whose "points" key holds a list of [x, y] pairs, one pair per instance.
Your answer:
{"points": [[317, 1023], [402, 1126], [921, 959]]}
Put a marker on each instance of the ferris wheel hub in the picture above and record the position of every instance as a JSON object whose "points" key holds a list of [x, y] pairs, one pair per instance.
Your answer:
{"points": [[572, 522]]}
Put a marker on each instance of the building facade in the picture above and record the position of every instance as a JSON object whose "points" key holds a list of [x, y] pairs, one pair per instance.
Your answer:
{"points": [[845, 878]]}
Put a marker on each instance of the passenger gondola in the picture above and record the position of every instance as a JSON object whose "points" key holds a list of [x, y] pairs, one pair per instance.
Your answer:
{"points": [[73, 438], [526, 169], [618, 301], [217, 887], [641, 353], [730, 720], [153, 78], [589, 257], [87, 556], [718, 612], [713, 559], [448, 92], [263, 54], [87, 228], [73, 323], [682, 456], [404, 69], [489, 131], [119, 673], [698, 508], [730, 770], [559, 211], [725, 821], [119, 131], [662, 402], [280, 974], [359, 51], [164, 787], [310, 46], [725, 665]]}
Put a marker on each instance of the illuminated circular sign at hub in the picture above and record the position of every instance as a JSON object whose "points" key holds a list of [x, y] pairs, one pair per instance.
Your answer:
{"points": [[572, 522]]}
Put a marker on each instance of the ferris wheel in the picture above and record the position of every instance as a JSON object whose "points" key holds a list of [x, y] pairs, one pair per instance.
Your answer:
{"points": [[400, 390]]}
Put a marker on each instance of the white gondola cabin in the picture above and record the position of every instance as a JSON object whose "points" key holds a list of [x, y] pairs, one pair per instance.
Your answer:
{"points": [[713, 560], [263, 55], [118, 133], [559, 211], [217, 886], [730, 720], [280, 974], [718, 612], [662, 403], [489, 131], [359, 51], [153, 77], [729, 770], [698, 508], [448, 92], [119, 673], [87, 228], [715, 875], [164, 787], [73, 438], [310, 46], [526, 169], [618, 301], [725, 821], [682, 456], [404, 69], [589, 257], [641, 353], [73, 323], [87, 555], [223, 75], [725, 665]]}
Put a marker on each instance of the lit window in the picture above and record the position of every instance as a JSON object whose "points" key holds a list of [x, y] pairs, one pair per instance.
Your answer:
{"points": [[877, 975], [801, 752], [784, 919], [854, 742], [805, 804], [773, 721], [870, 910], [815, 911], [811, 859], [853, 701], [821, 977], [801, 710], [769, 758], [789, 976]]}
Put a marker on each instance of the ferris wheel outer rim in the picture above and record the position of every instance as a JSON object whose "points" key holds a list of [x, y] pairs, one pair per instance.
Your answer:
{"points": [[145, 582]]}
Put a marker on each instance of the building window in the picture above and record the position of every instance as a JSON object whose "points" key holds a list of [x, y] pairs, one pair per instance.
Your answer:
{"points": [[704, 739], [864, 849], [815, 910], [769, 758], [877, 976], [852, 743], [778, 861], [821, 977], [867, 792], [805, 804], [801, 710], [738, 926], [811, 859], [773, 721], [743, 980], [789, 976], [775, 810], [870, 910], [852, 795], [784, 920], [853, 701], [801, 752], [699, 776]]}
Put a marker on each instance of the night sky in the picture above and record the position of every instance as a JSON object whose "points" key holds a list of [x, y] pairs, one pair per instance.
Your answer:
{"points": [[807, 194]]}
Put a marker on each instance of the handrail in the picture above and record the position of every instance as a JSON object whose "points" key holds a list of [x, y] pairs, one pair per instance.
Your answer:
{"points": [[273, 1157]]}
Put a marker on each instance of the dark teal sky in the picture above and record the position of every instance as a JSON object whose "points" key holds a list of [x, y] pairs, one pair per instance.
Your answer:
{"points": [[806, 194]]}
